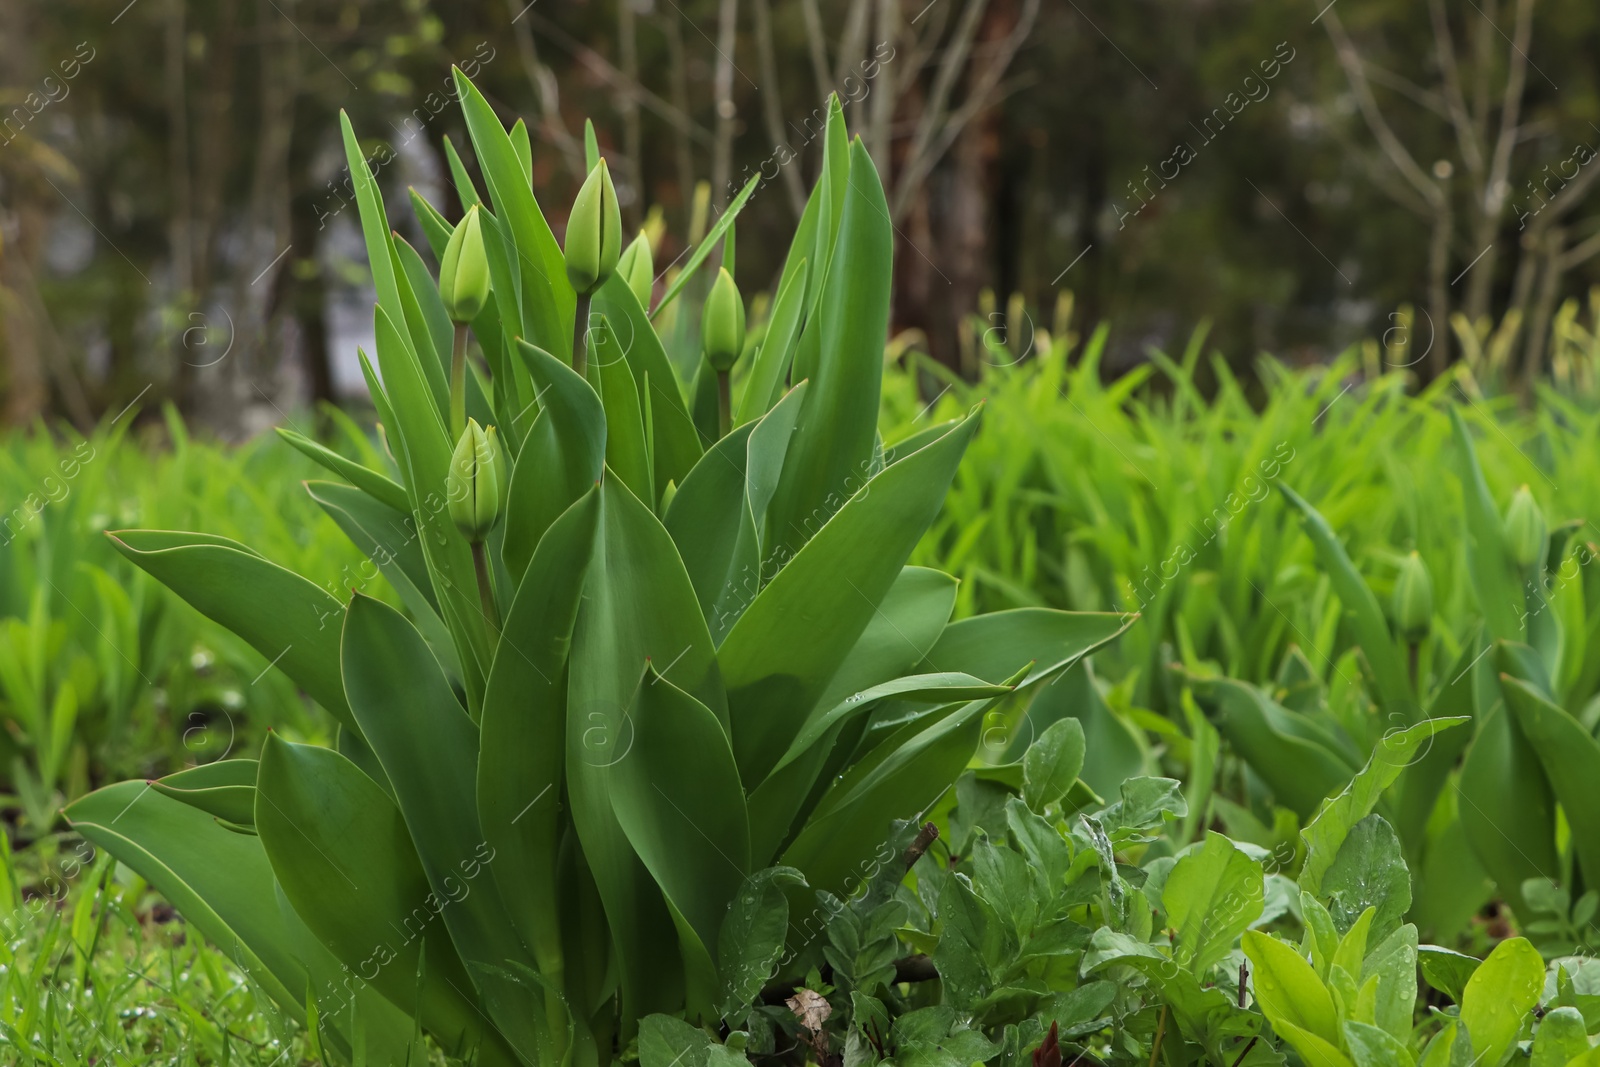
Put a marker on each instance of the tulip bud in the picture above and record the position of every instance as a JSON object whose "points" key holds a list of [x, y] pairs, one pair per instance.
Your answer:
{"points": [[464, 271], [474, 487], [722, 323], [637, 267], [1524, 529], [1413, 599], [594, 232]]}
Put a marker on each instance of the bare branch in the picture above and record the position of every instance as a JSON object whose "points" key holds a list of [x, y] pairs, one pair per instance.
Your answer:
{"points": [[853, 46], [628, 102], [1355, 74], [678, 79], [672, 113], [1569, 195], [1444, 45], [983, 93], [1408, 88], [1580, 253], [819, 47], [1496, 188], [722, 85], [924, 44], [881, 108], [547, 91], [955, 58], [772, 103]]}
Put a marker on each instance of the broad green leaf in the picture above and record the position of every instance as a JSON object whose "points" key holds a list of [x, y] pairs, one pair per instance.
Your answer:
{"points": [[1371, 1046], [375, 230], [831, 455], [378, 486], [627, 432], [1571, 760], [900, 779], [428, 748], [1394, 966], [1446, 970], [390, 540], [718, 512], [1561, 1037], [419, 432], [1212, 895], [996, 645], [899, 636], [548, 302], [519, 773], [905, 626], [1372, 629], [1301, 766], [973, 936], [752, 938], [340, 850], [225, 788], [1368, 871], [777, 660], [665, 1041], [1506, 808], [1113, 742], [1052, 763], [715, 533], [427, 324], [220, 882], [1500, 592], [562, 457], [677, 797], [1288, 990], [915, 689], [638, 606], [764, 384], [1497, 997], [1417, 791], [286, 618], [708, 244], [1199, 1011], [1333, 823], [675, 444], [1352, 947]]}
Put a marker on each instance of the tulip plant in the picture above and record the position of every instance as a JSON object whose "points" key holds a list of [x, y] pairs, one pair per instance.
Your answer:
{"points": [[638, 666], [1504, 806]]}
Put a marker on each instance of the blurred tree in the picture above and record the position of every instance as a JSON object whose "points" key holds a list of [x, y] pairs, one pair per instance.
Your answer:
{"points": [[173, 196]]}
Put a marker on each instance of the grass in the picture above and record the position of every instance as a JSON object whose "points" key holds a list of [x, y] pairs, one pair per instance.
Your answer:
{"points": [[97, 969], [1138, 494], [104, 674], [1142, 495]]}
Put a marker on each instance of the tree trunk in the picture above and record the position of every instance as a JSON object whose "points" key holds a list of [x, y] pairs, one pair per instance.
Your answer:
{"points": [[22, 376], [1438, 288], [1549, 257]]}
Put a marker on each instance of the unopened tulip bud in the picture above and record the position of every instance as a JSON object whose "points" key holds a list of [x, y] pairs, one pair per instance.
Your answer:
{"points": [[594, 232], [1525, 529], [722, 323], [637, 267], [474, 487], [464, 271], [1413, 599]]}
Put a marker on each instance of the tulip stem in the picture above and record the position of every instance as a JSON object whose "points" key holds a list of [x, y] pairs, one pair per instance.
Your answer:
{"points": [[724, 403], [491, 614], [580, 336], [458, 382]]}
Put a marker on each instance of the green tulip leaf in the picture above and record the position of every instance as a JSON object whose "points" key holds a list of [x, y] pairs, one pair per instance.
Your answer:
{"points": [[286, 618], [225, 788]]}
